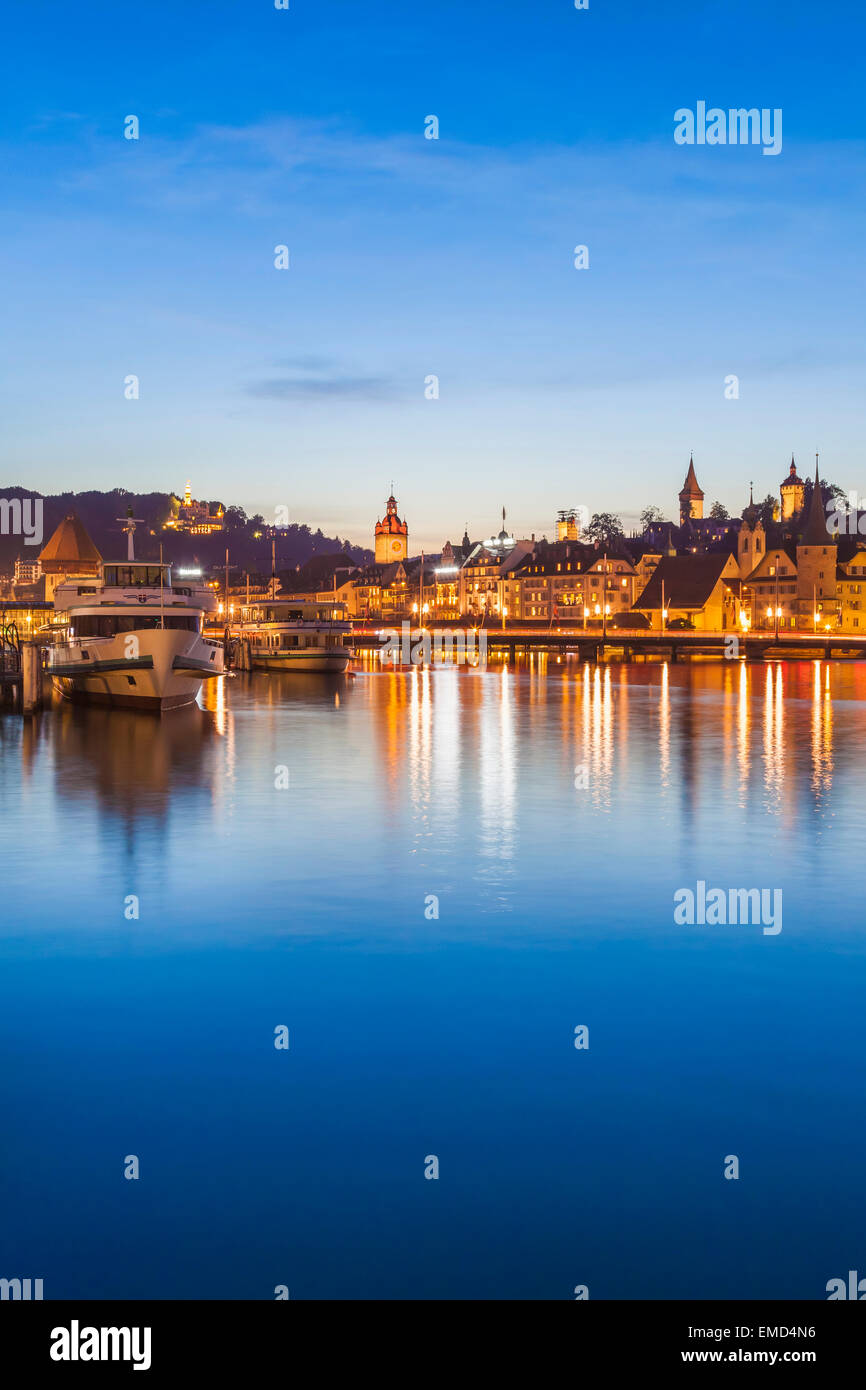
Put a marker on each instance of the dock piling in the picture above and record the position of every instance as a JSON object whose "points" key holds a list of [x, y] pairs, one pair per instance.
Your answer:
{"points": [[31, 678]]}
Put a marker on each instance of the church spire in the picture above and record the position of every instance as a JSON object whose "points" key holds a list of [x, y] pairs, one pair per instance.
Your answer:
{"points": [[691, 496], [815, 531]]}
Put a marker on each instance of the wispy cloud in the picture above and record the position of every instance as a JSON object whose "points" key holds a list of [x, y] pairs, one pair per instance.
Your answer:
{"points": [[300, 388]]}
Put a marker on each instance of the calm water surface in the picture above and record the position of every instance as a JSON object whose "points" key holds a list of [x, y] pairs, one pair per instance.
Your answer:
{"points": [[413, 1035]]}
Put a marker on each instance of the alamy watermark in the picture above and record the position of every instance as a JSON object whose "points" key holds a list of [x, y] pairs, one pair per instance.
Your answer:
{"points": [[19, 518], [23, 1289], [737, 126], [720, 907], [444, 646], [846, 518]]}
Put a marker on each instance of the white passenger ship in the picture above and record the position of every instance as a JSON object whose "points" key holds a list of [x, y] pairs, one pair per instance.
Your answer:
{"points": [[133, 638], [293, 634]]}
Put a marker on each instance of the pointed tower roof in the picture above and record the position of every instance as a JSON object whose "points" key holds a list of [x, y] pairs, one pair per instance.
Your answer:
{"points": [[690, 487], [815, 531], [792, 479], [751, 514], [70, 550]]}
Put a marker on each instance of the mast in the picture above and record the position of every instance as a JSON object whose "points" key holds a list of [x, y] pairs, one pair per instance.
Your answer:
{"points": [[129, 527], [273, 568]]}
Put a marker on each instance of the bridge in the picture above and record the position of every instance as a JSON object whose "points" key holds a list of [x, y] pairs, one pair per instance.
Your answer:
{"points": [[593, 644]]}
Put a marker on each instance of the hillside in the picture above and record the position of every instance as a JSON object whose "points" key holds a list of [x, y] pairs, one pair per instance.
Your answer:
{"points": [[295, 544]]}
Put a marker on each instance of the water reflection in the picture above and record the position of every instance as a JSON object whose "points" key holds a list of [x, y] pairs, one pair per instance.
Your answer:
{"points": [[468, 761], [774, 738], [497, 780], [598, 741], [822, 733]]}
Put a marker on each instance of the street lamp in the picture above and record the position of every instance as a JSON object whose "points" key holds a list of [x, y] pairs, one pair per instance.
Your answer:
{"points": [[504, 616], [585, 616], [778, 616]]}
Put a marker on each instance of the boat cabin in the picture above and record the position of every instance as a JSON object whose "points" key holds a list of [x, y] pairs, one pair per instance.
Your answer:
{"points": [[295, 610]]}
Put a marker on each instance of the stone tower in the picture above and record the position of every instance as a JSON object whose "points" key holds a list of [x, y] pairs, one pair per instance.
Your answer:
{"points": [[816, 565], [691, 497], [793, 493], [391, 536], [751, 541]]}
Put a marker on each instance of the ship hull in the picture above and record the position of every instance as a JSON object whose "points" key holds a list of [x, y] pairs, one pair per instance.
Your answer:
{"points": [[158, 671], [307, 659]]}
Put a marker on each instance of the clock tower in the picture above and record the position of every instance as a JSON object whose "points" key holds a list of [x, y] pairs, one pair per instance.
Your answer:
{"points": [[392, 535]]}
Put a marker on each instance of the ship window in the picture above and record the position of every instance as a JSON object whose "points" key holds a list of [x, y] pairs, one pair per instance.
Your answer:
{"points": [[134, 576], [109, 625]]}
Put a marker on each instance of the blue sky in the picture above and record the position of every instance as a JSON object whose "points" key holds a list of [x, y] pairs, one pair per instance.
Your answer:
{"points": [[412, 257]]}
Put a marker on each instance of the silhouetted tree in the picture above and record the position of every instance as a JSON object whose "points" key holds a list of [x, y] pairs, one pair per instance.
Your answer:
{"points": [[605, 528]]}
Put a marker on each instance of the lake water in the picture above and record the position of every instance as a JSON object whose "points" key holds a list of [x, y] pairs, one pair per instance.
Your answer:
{"points": [[413, 1035]]}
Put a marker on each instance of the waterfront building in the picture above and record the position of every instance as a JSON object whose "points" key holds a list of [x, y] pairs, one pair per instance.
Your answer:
{"points": [[810, 581], [445, 588], [391, 537], [569, 581], [27, 572], [771, 589], [481, 581], [375, 592], [851, 590], [700, 591]]}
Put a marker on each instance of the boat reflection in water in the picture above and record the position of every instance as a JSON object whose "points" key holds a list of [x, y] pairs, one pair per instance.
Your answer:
{"points": [[134, 766]]}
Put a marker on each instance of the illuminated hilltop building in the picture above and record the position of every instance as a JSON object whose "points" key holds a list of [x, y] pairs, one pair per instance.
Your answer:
{"points": [[391, 535], [195, 518]]}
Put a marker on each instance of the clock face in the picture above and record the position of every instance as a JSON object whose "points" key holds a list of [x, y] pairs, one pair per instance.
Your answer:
{"points": [[395, 546]]}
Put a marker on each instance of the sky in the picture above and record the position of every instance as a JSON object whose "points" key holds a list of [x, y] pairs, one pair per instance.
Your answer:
{"points": [[412, 257]]}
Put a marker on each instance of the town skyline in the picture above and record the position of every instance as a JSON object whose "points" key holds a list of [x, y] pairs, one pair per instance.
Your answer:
{"points": [[359, 532], [414, 257]]}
